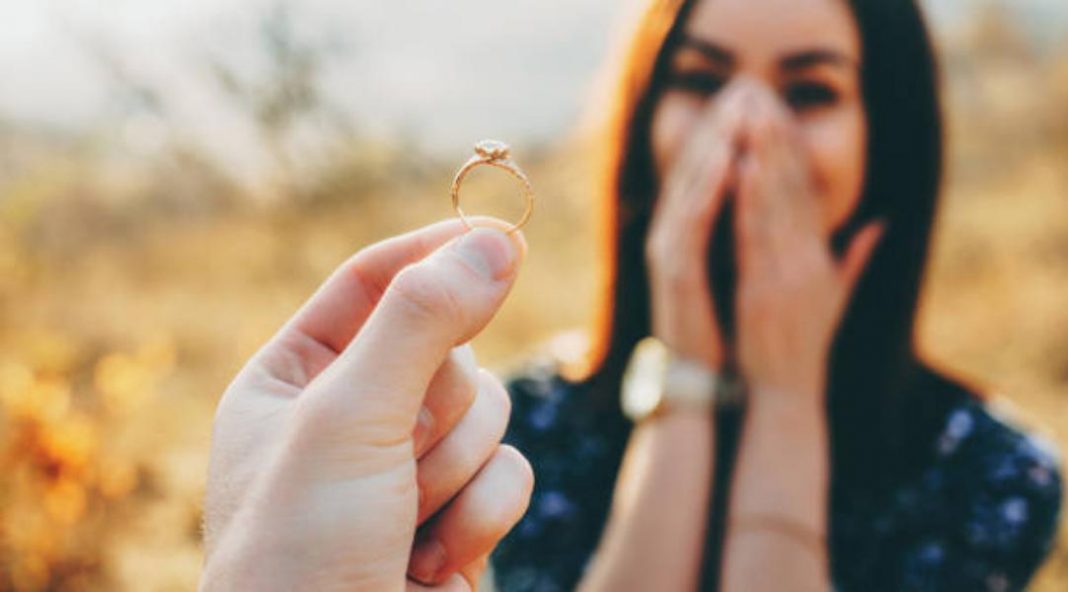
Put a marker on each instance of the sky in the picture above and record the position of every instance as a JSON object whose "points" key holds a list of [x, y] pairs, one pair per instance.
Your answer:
{"points": [[411, 62], [444, 72]]}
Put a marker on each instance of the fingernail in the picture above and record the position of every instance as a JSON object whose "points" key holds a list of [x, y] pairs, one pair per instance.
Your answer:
{"points": [[488, 250], [424, 425], [428, 558]]}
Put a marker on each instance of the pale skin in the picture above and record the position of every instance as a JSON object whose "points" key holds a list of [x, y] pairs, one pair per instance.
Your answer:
{"points": [[764, 107], [338, 464]]}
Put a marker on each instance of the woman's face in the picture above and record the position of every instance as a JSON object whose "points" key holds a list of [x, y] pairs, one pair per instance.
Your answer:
{"points": [[807, 52]]}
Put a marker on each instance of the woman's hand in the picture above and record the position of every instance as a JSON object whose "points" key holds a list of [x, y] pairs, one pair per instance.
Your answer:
{"points": [[790, 300], [677, 247], [366, 420], [792, 293], [655, 535]]}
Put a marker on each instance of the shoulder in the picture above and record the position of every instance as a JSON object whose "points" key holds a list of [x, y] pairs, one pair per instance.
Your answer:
{"points": [[995, 488], [575, 449], [549, 404], [988, 443], [984, 447], [981, 515], [556, 416]]}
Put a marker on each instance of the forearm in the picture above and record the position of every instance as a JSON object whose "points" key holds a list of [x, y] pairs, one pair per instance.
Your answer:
{"points": [[782, 474], [654, 539]]}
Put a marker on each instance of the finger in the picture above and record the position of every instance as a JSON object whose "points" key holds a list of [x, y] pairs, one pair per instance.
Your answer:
{"points": [[692, 198], [764, 137], [456, 583], [372, 394], [750, 223], [712, 127], [859, 253], [449, 396], [327, 322], [476, 520], [695, 186], [776, 142], [450, 465], [474, 571], [763, 244]]}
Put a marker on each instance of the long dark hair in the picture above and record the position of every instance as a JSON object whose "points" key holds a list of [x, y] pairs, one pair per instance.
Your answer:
{"points": [[882, 401]]}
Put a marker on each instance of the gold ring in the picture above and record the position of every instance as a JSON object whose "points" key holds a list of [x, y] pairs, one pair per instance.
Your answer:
{"points": [[495, 154]]}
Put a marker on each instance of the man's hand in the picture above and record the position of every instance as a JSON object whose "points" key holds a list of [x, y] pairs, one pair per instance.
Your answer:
{"points": [[360, 448]]}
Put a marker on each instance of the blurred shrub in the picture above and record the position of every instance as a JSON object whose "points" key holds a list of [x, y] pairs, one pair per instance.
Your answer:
{"points": [[60, 407]]}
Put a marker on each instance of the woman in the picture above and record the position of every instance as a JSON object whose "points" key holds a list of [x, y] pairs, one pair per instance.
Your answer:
{"points": [[772, 184]]}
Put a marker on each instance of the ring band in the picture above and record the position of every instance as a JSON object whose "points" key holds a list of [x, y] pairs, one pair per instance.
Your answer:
{"points": [[495, 154]]}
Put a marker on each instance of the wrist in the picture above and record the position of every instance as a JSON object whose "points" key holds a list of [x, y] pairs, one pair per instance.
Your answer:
{"points": [[670, 418], [784, 413], [693, 346], [658, 381], [785, 462], [783, 401], [798, 394], [787, 427]]}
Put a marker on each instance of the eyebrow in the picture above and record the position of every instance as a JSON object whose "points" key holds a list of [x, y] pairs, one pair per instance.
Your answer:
{"points": [[796, 61]]}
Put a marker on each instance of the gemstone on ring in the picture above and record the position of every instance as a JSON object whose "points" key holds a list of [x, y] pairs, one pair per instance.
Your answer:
{"points": [[493, 150], [496, 154]]}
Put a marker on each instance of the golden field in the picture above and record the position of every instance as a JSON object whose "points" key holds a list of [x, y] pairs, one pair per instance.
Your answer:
{"points": [[128, 301]]}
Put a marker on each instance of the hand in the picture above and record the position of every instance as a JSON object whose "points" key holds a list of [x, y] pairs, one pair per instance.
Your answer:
{"points": [[677, 247], [366, 418], [792, 293]]}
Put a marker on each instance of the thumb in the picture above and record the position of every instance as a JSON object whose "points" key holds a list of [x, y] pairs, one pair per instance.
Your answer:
{"points": [[859, 252], [374, 390]]}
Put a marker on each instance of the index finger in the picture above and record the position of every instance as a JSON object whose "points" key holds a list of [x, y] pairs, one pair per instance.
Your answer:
{"points": [[372, 392], [710, 145], [330, 319], [775, 139]]}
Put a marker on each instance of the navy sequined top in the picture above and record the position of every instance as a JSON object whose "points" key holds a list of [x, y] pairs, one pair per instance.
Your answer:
{"points": [[981, 517]]}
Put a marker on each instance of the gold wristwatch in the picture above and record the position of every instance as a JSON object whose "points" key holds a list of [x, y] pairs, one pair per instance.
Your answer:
{"points": [[656, 381]]}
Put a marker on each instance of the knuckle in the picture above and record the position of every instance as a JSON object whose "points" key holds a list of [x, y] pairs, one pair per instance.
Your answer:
{"points": [[312, 414], [519, 465], [673, 276], [795, 277], [754, 302], [359, 274], [669, 267], [458, 380], [496, 409], [497, 394], [655, 248], [467, 367], [744, 227], [505, 492], [425, 295], [816, 258], [467, 390], [805, 271], [764, 125], [315, 421]]}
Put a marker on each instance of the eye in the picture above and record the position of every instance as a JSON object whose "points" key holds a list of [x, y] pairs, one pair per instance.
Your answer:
{"points": [[700, 83], [804, 96]]}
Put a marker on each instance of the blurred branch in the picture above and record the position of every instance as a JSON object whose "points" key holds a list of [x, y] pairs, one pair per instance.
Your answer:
{"points": [[286, 95], [133, 95]]}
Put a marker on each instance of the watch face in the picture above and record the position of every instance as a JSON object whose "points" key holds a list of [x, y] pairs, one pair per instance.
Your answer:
{"points": [[643, 380]]}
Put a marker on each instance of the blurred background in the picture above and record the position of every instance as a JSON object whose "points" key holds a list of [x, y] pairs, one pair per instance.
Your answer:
{"points": [[176, 176]]}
